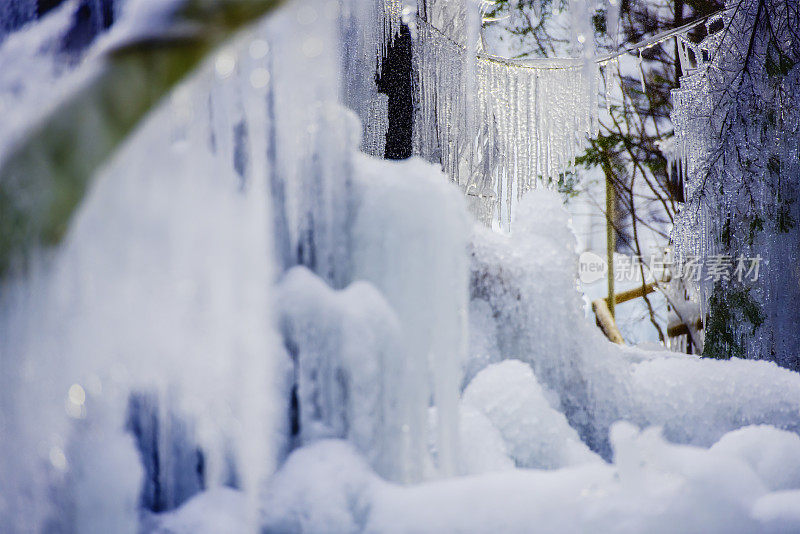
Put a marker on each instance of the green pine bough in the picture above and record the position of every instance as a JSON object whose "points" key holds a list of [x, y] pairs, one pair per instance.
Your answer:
{"points": [[46, 173]]}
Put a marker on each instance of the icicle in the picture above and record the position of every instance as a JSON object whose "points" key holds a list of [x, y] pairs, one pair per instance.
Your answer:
{"points": [[612, 21], [374, 141], [535, 113], [641, 73]]}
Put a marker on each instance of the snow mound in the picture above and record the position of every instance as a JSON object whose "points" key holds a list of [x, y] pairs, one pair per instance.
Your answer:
{"points": [[325, 487], [482, 447], [513, 401], [698, 400], [211, 512], [779, 511], [652, 486], [773, 454]]}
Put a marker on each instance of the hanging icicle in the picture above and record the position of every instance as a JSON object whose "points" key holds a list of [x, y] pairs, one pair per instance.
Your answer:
{"points": [[529, 120], [612, 21], [641, 73], [530, 116], [692, 107]]}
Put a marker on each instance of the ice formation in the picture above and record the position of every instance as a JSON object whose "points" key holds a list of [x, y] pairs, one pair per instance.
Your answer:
{"points": [[499, 126], [416, 259], [737, 132], [15, 14], [527, 281], [251, 325], [347, 351], [153, 292]]}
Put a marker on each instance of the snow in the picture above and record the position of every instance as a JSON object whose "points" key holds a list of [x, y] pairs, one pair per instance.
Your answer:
{"points": [[652, 486], [537, 436], [211, 512], [104, 482], [778, 511], [528, 281], [774, 455], [482, 447], [325, 487], [697, 400]]}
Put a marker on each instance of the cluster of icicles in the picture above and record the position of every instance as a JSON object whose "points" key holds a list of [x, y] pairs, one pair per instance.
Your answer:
{"points": [[736, 132], [692, 108], [497, 126]]}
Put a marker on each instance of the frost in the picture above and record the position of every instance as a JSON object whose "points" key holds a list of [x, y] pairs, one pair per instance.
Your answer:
{"points": [[736, 133]]}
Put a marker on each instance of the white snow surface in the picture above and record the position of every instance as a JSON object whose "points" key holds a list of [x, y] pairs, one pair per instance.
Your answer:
{"points": [[536, 435], [652, 486]]}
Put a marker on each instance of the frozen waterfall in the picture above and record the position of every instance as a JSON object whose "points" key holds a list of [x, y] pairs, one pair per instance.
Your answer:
{"points": [[251, 324]]}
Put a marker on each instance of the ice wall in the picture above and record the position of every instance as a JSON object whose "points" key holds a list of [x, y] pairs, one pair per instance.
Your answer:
{"points": [[346, 218], [410, 235]]}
